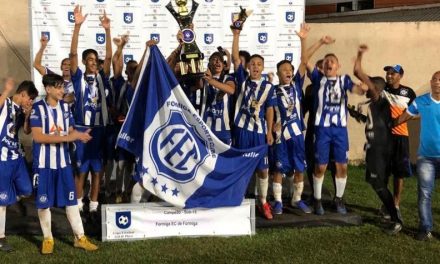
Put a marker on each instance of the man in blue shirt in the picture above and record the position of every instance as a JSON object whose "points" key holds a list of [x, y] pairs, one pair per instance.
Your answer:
{"points": [[426, 106]]}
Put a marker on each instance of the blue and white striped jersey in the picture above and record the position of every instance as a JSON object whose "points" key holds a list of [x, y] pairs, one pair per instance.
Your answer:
{"points": [[253, 98], [288, 110], [10, 122], [330, 99], [53, 121], [91, 105], [217, 107]]}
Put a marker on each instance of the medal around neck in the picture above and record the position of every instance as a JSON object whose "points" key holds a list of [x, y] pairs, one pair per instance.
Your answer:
{"points": [[191, 58]]}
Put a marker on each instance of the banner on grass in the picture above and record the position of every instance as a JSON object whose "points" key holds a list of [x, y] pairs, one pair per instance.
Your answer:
{"points": [[178, 157]]}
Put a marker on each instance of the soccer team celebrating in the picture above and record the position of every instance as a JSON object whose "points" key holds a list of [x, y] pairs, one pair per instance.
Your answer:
{"points": [[74, 129]]}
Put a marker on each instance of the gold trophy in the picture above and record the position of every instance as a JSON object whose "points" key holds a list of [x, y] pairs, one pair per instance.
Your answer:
{"points": [[238, 19], [190, 57]]}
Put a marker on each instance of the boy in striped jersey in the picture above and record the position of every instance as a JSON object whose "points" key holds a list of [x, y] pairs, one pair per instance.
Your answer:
{"points": [[289, 127], [330, 99], [91, 112], [14, 178], [52, 129], [254, 114], [217, 102]]}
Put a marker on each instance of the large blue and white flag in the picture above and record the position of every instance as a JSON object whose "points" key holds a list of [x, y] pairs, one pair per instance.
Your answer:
{"points": [[178, 158]]}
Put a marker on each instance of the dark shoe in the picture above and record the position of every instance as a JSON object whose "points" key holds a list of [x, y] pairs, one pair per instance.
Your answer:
{"points": [[317, 206], [424, 236], [340, 206], [393, 229], [4, 246]]}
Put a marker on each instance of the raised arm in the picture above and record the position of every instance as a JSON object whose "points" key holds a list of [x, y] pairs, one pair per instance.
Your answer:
{"points": [[174, 56], [79, 19], [141, 62], [361, 75], [325, 40], [118, 61], [38, 57], [235, 48], [302, 34], [105, 23], [8, 86]]}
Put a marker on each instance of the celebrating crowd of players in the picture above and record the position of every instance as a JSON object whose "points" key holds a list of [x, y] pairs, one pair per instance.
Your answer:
{"points": [[74, 129]]}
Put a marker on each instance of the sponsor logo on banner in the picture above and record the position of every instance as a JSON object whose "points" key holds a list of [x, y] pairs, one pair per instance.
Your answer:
{"points": [[177, 153], [288, 56], [188, 35], [100, 1], [100, 38], [127, 58], [128, 18], [262, 37], [263, 1], [70, 17], [290, 16], [154, 1], [155, 37], [123, 219], [208, 1], [209, 38], [46, 34]]}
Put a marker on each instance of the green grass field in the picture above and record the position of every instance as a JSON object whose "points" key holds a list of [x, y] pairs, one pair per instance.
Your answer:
{"points": [[361, 244]]}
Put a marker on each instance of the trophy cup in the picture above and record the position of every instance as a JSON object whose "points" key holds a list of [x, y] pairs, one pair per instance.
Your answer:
{"points": [[239, 18], [190, 57]]}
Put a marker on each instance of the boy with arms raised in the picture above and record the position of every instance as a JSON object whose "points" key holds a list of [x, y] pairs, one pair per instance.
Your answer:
{"points": [[254, 114], [52, 129], [378, 133], [330, 102], [289, 147], [91, 108], [14, 177]]}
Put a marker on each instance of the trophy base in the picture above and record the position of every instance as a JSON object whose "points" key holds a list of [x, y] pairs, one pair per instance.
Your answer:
{"points": [[191, 76]]}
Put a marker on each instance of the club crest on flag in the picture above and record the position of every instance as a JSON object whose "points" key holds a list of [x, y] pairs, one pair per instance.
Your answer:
{"points": [[176, 149]]}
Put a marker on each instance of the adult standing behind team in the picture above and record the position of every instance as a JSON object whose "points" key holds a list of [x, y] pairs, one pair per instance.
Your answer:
{"points": [[402, 97]]}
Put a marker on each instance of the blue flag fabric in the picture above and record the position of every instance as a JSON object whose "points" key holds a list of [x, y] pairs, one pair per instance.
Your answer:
{"points": [[178, 158]]}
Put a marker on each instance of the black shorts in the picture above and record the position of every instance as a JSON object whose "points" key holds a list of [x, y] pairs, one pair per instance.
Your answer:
{"points": [[377, 163], [400, 161]]}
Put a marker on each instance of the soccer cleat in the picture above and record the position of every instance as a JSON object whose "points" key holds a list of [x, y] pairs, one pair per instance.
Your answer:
{"points": [[277, 207], [47, 246], [4, 246], [84, 243], [319, 210], [393, 229], [301, 205], [266, 211], [424, 236], [340, 206]]}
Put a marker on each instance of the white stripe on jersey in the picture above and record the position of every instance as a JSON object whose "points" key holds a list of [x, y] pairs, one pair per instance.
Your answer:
{"points": [[338, 118]]}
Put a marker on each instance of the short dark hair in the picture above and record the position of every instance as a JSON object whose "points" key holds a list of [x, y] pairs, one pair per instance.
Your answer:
{"points": [[285, 62], [256, 56], [246, 55], [379, 82], [87, 52], [52, 79], [319, 62], [331, 55], [216, 54], [29, 88], [129, 66]]}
